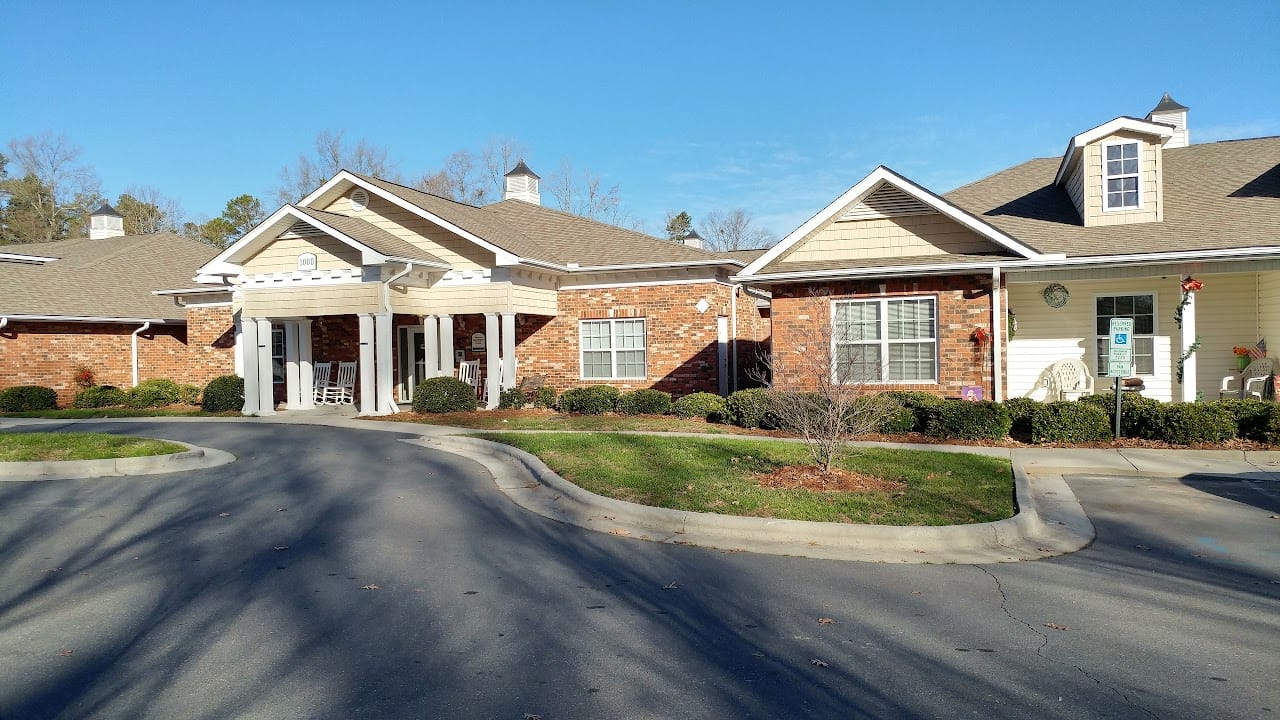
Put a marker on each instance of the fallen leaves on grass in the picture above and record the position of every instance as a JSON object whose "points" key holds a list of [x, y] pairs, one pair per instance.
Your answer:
{"points": [[814, 478]]}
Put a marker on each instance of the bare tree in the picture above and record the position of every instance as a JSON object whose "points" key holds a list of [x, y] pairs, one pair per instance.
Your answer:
{"points": [[499, 156], [726, 230], [146, 210], [51, 193], [460, 179], [819, 378], [332, 154], [585, 194]]}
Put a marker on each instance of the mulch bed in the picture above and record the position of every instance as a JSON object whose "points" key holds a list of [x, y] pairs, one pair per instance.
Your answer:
{"points": [[814, 478]]}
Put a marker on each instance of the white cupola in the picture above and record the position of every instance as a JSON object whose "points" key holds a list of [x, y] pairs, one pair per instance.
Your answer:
{"points": [[1169, 112], [522, 184], [693, 239], [105, 222]]}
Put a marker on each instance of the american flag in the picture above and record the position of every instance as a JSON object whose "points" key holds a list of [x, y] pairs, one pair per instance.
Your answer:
{"points": [[1259, 351]]}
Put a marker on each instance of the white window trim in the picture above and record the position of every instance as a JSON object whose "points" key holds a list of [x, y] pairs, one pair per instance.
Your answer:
{"points": [[884, 340], [1106, 177], [283, 356], [613, 351], [1155, 332]]}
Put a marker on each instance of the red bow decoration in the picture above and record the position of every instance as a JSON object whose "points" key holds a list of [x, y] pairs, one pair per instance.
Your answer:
{"points": [[980, 336], [1191, 285]]}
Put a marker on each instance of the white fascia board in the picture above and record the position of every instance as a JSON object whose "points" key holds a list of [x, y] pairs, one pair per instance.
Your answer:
{"points": [[31, 259], [886, 271], [651, 266], [195, 291], [1155, 258], [419, 263], [503, 257], [1164, 132], [228, 261], [865, 187]]}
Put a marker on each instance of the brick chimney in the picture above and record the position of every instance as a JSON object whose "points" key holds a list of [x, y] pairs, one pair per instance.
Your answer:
{"points": [[105, 222]]}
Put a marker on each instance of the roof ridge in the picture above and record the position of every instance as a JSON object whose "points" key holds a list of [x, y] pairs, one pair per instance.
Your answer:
{"points": [[414, 189], [593, 221]]}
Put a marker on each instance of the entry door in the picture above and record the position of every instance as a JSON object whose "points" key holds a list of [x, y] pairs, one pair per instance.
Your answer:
{"points": [[413, 361]]}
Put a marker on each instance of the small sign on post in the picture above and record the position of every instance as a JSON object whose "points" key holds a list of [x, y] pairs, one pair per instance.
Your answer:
{"points": [[1120, 357]]}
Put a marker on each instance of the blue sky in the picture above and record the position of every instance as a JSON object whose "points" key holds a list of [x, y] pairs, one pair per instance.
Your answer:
{"points": [[773, 107]]}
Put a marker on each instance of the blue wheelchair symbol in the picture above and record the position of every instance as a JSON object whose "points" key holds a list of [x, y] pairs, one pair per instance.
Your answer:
{"points": [[1122, 338]]}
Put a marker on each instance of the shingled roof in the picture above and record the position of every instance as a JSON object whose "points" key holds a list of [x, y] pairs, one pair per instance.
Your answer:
{"points": [[372, 236], [110, 278], [1220, 195]]}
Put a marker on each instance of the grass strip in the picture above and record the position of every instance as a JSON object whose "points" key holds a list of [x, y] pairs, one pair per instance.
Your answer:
{"points": [[716, 475], [548, 420], [26, 447]]}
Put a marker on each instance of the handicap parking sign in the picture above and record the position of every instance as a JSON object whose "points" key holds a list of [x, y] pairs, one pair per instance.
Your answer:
{"points": [[1120, 350], [1121, 339]]}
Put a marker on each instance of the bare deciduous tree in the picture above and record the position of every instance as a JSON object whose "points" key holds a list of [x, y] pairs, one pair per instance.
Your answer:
{"points": [[460, 179], [819, 384], [331, 155], [726, 230], [51, 192], [146, 210], [585, 194], [499, 156]]}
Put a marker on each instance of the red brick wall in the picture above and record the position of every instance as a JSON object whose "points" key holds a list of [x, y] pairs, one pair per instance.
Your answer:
{"points": [[681, 341], [47, 353], [964, 303]]}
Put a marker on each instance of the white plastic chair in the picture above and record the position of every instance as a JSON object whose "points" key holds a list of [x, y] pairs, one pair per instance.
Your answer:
{"points": [[1069, 379], [320, 373], [469, 373], [1250, 382], [343, 391]]}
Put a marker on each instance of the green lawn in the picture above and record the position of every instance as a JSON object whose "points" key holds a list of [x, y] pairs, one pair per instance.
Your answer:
{"points": [[115, 412], [549, 420], [17, 447], [715, 475]]}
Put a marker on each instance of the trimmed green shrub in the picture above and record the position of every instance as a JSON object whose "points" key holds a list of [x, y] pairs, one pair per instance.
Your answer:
{"points": [[968, 420], [98, 396], [511, 399], [590, 400], [900, 421], [707, 406], [189, 394], [1068, 422], [22, 398], [544, 397], [644, 402], [156, 392], [1253, 417], [751, 408], [1188, 423], [1023, 412], [918, 402], [223, 393], [444, 394], [1140, 417]]}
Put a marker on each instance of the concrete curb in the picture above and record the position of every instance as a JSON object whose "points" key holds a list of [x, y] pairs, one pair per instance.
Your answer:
{"points": [[193, 458], [1049, 522]]}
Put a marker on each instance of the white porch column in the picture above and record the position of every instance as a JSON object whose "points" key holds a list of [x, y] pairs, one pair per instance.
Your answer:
{"points": [[446, 345], [306, 375], [1188, 339], [266, 381], [292, 379], [722, 355], [509, 379], [247, 359], [430, 348], [368, 369], [239, 350], [493, 364], [382, 347]]}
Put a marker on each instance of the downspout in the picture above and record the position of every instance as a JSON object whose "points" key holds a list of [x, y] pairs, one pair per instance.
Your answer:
{"points": [[133, 340], [997, 332], [733, 337], [3, 321], [386, 303]]}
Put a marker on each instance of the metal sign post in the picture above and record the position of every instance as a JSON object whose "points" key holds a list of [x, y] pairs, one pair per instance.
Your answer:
{"points": [[1120, 357]]}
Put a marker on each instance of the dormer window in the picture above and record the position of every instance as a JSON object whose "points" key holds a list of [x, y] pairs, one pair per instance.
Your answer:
{"points": [[1120, 171]]}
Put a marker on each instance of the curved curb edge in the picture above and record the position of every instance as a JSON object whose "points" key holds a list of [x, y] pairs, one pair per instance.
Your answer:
{"points": [[193, 458]]}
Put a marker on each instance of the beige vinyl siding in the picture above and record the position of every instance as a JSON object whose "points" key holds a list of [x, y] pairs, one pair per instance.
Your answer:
{"points": [[909, 236], [1149, 182], [1226, 316], [282, 255], [1046, 335], [1269, 310], [1075, 189], [467, 299], [313, 301], [462, 254]]}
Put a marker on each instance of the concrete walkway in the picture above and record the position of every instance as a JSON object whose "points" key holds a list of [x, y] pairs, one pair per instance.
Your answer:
{"points": [[1049, 521]]}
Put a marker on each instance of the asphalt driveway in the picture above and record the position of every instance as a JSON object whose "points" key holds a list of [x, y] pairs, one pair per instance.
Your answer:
{"points": [[335, 573]]}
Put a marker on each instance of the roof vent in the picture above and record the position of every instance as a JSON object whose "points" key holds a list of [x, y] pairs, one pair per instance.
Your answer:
{"points": [[359, 200], [522, 184], [105, 222]]}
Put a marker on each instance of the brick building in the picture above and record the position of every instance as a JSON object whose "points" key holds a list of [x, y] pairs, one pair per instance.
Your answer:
{"points": [[88, 303]]}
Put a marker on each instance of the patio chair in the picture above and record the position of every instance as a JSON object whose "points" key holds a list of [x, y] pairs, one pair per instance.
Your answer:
{"points": [[320, 373], [1068, 379], [1250, 382], [469, 373], [342, 391]]}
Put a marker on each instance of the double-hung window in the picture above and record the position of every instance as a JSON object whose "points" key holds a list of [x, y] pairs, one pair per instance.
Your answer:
{"points": [[1120, 173], [277, 355], [886, 340], [612, 349], [1142, 309]]}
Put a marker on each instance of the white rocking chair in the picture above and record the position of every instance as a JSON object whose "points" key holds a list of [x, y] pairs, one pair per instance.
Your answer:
{"points": [[1068, 379], [469, 373], [320, 373], [1250, 382], [342, 392]]}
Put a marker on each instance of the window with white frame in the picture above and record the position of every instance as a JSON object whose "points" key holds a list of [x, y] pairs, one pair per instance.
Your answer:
{"points": [[1120, 166], [612, 349], [1142, 309], [886, 340], [277, 355]]}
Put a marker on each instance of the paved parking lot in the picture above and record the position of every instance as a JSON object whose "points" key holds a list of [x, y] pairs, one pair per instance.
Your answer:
{"points": [[335, 573]]}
